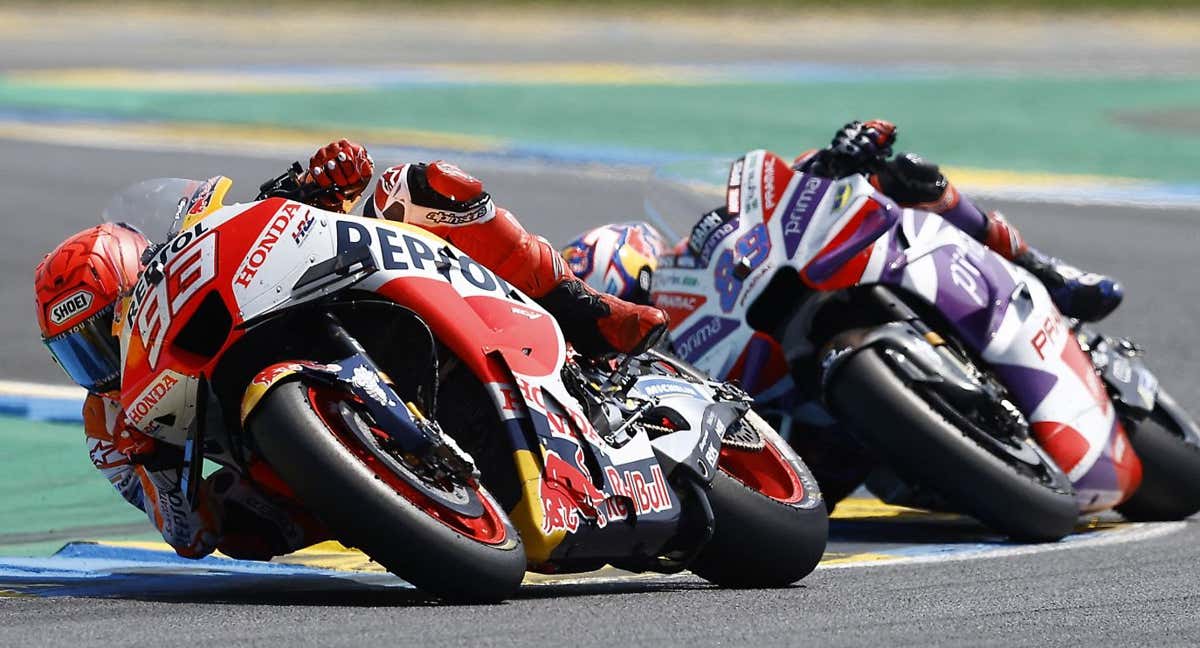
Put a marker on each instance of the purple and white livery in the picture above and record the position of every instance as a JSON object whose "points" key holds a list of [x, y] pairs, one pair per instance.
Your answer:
{"points": [[950, 363]]}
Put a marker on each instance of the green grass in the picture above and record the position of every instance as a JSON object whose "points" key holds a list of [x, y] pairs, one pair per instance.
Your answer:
{"points": [[48, 482], [1041, 124]]}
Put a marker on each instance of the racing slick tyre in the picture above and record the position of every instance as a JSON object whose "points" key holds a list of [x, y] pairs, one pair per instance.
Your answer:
{"points": [[368, 504], [1015, 489], [1169, 449], [770, 524]]}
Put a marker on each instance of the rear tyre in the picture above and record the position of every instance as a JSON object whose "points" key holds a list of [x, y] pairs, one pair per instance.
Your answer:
{"points": [[1170, 488], [363, 506], [926, 449], [771, 525]]}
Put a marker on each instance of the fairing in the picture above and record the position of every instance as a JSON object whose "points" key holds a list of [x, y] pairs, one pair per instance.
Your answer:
{"points": [[842, 233], [261, 258]]}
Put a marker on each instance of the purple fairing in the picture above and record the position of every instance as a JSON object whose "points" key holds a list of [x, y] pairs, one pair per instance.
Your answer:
{"points": [[757, 354], [871, 228], [701, 336], [973, 291], [800, 209], [1029, 386], [967, 217]]}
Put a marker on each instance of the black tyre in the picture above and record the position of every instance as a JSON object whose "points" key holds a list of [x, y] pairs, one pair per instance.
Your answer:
{"points": [[1167, 445], [1033, 502], [771, 525], [367, 505]]}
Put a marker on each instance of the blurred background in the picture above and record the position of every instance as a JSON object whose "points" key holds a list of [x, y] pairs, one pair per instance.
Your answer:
{"points": [[1080, 119]]}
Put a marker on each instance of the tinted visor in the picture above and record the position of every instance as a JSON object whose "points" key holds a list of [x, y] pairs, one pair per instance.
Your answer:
{"points": [[89, 352]]}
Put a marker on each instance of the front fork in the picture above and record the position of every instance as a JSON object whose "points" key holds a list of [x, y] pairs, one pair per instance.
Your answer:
{"points": [[409, 431]]}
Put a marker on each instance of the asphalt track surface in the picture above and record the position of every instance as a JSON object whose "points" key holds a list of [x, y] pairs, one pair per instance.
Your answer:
{"points": [[1139, 593], [1122, 593]]}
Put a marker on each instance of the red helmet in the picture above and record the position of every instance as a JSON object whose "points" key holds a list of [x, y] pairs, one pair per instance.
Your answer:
{"points": [[78, 285]]}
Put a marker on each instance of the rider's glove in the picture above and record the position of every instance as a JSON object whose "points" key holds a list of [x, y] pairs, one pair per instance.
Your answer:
{"points": [[145, 450], [910, 180], [342, 167], [858, 147], [133, 444]]}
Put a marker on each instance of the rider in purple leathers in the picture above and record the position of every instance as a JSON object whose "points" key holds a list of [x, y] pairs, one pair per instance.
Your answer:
{"points": [[865, 147]]}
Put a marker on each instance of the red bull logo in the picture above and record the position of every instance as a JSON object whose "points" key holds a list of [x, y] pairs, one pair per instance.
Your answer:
{"points": [[568, 495], [647, 496]]}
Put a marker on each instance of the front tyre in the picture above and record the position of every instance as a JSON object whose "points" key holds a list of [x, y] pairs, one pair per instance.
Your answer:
{"points": [[1169, 449], [771, 525], [1028, 500], [367, 504]]}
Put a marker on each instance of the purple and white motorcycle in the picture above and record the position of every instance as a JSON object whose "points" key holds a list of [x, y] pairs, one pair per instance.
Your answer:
{"points": [[964, 386]]}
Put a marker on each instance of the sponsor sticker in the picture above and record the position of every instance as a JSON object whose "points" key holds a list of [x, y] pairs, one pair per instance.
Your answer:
{"points": [[265, 242], [700, 337], [304, 227], [458, 218], [147, 401], [68, 307], [712, 228], [678, 306], [800, 209], [665, 387], [400, 250]]}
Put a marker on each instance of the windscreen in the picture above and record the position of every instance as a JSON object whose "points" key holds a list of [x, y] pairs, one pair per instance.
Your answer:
{"points": [[155, 207]]}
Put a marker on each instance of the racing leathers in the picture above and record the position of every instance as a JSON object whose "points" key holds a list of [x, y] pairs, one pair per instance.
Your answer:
{"points": [[865, 147], [443, 199], [230, 514]]}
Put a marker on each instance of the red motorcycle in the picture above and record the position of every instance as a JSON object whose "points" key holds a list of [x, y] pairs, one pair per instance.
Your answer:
{"points": [[432, 415]]}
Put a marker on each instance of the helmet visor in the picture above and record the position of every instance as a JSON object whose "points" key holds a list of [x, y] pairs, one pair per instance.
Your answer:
{"points": [[89, 352]]}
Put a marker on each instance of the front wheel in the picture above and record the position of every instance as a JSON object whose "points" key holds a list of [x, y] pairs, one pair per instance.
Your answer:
{"points": [[457, 544], [771, 525], [1169, 448], [1011, 486]]}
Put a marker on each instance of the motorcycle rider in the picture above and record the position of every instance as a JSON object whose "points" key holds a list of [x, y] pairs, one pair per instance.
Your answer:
{"points": [[79, 283], [445, 200], [865, 147]]}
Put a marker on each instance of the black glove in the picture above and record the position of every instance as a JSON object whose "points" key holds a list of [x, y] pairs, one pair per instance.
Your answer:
{"points": [[910, 180], [859, 147]]}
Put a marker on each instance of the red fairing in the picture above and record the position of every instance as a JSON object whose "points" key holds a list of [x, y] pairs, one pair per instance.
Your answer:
{"points": [[776, 175], [197, 261], [1126, 464], [478, 325]]}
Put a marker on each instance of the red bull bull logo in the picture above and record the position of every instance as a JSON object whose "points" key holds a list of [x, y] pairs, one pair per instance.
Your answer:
{"points": [[568, 495]]}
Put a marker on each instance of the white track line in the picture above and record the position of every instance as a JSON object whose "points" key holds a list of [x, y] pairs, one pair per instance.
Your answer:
{"points": [[1133, 533], [41, 390]]}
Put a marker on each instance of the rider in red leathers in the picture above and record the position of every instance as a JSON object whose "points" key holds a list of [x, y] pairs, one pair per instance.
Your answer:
{"points": [[80, 282], [443, 199]]}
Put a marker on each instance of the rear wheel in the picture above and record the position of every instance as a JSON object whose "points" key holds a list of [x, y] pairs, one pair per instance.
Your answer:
{"points": [[1170, 455], [452, 540], [770, 523], [1009, 485]]}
